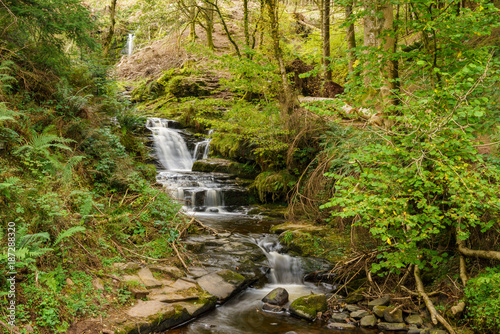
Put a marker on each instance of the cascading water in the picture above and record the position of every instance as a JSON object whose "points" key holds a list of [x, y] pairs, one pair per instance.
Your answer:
{"points": [[244, 314], [130, 44], [198, 192]]}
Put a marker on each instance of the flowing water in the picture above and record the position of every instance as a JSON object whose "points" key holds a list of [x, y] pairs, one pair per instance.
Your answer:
{"points": [[218, 201]]}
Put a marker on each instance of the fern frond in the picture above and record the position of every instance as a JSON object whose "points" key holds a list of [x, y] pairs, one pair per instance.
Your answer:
{"points": [[68, 233]]}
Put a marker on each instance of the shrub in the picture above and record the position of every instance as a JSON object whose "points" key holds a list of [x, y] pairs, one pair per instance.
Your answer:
{"points": [[483, 296]]}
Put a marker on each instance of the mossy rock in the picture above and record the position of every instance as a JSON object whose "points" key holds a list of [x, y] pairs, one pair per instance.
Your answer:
{"points": [[307, 307], [355, 296], [231, 277]]}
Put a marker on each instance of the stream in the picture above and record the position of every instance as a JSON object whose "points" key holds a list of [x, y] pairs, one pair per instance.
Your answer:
{"points": [[220, 202]]}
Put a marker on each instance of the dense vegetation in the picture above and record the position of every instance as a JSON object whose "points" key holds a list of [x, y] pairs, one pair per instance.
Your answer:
{"points": [[398, 151]]}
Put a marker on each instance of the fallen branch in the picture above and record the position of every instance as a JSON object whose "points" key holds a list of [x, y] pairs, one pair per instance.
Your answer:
{"points": [[179, 256], [435, 315]]}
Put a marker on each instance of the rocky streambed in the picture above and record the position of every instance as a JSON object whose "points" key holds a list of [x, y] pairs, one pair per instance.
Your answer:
{"points": [[240, 281]]}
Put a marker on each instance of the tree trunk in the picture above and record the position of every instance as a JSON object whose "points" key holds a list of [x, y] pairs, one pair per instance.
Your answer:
{"points": [[209, 19], [272, 12], [111, 32], [326, 40], [245, 23], [388, 43], [224, 25], [350, 37]]}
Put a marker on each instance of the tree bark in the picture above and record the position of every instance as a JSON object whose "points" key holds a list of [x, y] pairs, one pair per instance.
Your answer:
{"points": [[245, 23], [350, 37], [272, 11], [326, 40], [489, 255], [224, 25], [111, 32], [209, 19]]}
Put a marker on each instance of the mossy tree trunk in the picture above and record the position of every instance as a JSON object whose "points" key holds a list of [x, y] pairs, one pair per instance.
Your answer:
{"points": [[350, 37], [272, 11], [109, 37]]}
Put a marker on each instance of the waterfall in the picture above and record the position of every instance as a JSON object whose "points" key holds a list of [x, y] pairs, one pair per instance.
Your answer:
{"points": [[170, 147], [202, 148], [285, 269], [213, 198], [130, 43]]}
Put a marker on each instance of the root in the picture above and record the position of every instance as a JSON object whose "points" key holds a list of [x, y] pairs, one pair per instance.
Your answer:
{"points": [[463, 270], [435, 316], [488, 255]]}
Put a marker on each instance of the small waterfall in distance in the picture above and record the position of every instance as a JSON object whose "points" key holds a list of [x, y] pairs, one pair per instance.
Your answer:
{"points": [[130, 44]]}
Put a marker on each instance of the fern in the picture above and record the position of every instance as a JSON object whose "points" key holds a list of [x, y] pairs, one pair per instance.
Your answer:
{"points": [[28, 248], [68, 233], [6, 79], [41, 143]]}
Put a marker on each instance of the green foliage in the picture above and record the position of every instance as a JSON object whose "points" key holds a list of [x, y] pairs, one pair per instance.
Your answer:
{"points": [[252, 132], [483, 298], [423, 178], [38, 30], [274, 185]]}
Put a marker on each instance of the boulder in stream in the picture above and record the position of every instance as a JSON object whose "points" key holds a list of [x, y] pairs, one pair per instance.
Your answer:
{"points": [[278, 296], [307, 307]]}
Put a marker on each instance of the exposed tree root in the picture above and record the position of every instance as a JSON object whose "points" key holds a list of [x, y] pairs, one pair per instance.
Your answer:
{"points": [[435, 316], [463, 271], [489, 255]]}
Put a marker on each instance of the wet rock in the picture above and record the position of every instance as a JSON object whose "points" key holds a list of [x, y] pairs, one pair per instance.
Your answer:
{"points": [[340, 326], [359, 314], [272, 308], [278, 296], [414, 330], [389, 326], [379, 311], [355, 296], [368, 321], [307, 307], [222, 284], [339, 317], [352, 308], [414, 319], [236, 197], [148, 279], [314, 264], [382, 301], [437, 331], [393, 315]]}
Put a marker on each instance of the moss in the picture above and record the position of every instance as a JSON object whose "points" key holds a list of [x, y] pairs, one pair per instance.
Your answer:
{"points": [[308, 306], [305, 239], [231, 276]]}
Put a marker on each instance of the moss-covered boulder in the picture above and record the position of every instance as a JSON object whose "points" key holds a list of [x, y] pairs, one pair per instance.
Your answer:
{"points": [[355, 296], [278, 296], [307, 307]]}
